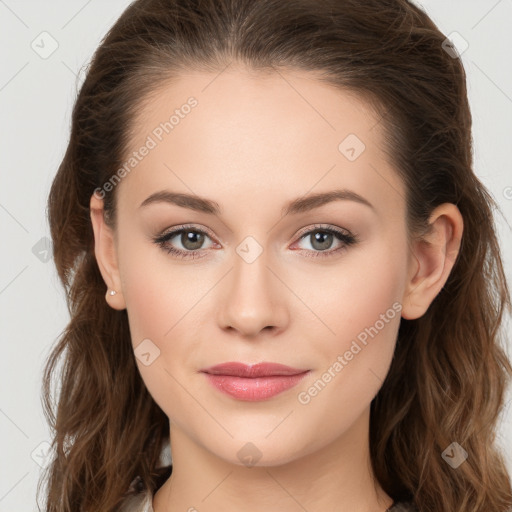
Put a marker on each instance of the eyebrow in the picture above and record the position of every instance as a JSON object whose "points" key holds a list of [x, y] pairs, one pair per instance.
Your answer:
{"points": [[299, 205]]}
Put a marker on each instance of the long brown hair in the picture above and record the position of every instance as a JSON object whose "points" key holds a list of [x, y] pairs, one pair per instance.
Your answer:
{"points": [[449, 373]]}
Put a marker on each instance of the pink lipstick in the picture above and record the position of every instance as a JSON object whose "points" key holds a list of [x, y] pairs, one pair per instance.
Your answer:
{"points": [[253, 382]]}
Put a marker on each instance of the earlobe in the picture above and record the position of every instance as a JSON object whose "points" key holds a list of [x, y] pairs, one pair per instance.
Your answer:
{"points": [[106, 254], [432, 259]]}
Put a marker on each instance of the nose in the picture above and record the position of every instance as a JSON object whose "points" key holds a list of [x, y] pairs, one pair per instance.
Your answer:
{"points": [[253, 299]]}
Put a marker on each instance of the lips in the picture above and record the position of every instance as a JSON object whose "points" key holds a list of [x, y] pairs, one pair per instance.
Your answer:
{"points": [[236, 369], [255, 382]]}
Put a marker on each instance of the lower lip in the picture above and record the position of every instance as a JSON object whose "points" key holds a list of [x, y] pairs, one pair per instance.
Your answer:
{"points": [[254, 389]]}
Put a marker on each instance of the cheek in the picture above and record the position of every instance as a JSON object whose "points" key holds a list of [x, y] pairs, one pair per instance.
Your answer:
{"points": [[361, 317], [156, 292], [362, 310], [163, 304], [158, 298], [358, 290]]}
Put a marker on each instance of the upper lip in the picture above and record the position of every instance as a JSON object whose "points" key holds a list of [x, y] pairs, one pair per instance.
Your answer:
{"points": [[237, 369]]}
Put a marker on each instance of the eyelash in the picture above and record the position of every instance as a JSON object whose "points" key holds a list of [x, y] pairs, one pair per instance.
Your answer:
{"points": [[162, 240]]}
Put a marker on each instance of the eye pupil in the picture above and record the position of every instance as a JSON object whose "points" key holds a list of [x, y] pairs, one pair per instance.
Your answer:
{"points": [[321, 237]]}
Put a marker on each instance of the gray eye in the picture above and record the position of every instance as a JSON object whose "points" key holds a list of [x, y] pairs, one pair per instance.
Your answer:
{"points": [[321, 240]]}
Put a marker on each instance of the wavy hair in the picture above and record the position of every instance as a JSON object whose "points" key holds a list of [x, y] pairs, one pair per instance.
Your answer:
{"points": [[449, 374]]}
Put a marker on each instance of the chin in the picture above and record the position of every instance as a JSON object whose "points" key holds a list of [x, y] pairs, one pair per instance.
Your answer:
{"points": [[258, 450]]}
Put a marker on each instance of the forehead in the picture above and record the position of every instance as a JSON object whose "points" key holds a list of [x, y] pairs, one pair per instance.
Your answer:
{"points": [[278, 134]]}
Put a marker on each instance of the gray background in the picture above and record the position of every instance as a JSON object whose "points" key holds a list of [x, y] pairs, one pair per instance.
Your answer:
{"points": [[36, 98]]}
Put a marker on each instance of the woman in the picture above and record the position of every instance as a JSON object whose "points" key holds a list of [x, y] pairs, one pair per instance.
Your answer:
{"points": [[281, 268]]}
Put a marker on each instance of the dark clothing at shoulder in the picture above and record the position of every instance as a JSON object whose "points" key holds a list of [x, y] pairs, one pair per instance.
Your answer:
{"points": [[403, 507]]}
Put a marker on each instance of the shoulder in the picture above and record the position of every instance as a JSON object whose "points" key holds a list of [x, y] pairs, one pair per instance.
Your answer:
{"points": [[140, 502], [138, 498], [403, 506]]}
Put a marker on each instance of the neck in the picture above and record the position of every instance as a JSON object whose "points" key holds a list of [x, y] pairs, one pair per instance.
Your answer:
{"points": [[337, 476]]}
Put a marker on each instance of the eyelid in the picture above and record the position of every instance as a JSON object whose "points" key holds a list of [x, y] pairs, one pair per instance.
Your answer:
{"points": [[163, 238], [205, 230], [183, 227], [345, 237], [326, 227]]}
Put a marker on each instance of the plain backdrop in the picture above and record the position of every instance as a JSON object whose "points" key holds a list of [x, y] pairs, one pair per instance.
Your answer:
{"points": [[44, 46]]}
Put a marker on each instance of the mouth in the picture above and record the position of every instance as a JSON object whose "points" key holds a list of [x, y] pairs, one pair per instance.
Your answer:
{"points": [[253, 382], [236, 369]]}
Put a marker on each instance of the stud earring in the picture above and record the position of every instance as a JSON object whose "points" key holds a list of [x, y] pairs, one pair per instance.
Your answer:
{"points": [[112, 292]]}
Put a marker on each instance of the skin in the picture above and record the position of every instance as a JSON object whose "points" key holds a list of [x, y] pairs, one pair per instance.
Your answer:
{"points": [[253, 143]]}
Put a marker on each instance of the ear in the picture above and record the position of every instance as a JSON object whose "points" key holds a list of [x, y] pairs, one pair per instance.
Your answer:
{"points": [[106, 254], [432, 259]]}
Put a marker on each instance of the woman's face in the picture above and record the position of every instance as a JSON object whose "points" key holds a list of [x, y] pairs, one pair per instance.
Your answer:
{"points": [[261, 277]]}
